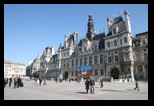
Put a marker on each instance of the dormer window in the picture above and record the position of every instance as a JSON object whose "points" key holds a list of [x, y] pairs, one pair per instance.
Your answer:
{"points": [[114, 31]]}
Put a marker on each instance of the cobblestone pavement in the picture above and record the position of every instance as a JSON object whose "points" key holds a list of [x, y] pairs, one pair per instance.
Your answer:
{"points": [[76, 91]]}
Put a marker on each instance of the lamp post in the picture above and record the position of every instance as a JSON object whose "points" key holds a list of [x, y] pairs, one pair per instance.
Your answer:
{"points": [[122, 64], [45, 71], [105, 65]]}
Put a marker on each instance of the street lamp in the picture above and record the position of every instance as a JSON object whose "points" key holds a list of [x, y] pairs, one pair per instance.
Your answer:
{"points": [[122, 64], [105, 65], [45, 71]]}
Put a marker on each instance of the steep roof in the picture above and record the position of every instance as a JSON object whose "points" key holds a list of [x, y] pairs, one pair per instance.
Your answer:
{"points": [[118, 21], [100, 39]]}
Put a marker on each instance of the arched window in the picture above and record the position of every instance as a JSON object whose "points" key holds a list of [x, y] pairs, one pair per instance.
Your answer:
{"points": [[125, 39], [120, 41], [101, 71], [95, 72], [114, 31], [115, 42]]}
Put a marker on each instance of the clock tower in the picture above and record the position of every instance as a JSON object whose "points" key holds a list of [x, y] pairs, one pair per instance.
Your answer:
{"points": [[90, 33]]}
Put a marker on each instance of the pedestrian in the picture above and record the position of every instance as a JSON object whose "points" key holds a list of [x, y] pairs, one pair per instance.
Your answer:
{"points": [[5, 82], [15, 83], [40, 81], [87, 85], [92, 84], [10, 81], [101, 82], [78, 81], [136, 85]]}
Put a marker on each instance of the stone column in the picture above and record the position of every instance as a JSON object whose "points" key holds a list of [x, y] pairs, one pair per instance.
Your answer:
{"points": [[144, 73], [132, 73]]}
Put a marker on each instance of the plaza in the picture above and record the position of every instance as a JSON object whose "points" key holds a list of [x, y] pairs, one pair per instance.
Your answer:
{"points": [[76, 91]]}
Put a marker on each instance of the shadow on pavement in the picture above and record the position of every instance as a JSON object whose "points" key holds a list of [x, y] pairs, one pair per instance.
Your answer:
{"points": [[81, 92]]}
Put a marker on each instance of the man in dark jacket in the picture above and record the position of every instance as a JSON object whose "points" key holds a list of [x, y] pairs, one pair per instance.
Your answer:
{"points": [[10, 81], [87, 85]]}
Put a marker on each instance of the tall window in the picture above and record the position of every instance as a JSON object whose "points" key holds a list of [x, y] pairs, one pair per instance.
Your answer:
{"points": [[80, 61], [127, 56], [72, 63], [109, 59], [116, 58], [115, 42], [114, 31], [96, 72], [108, 44], [95, 59], [76, 62], [101, 71], [120, 41], [85, 61], [125, 39], [90, 61], [101, 59], [145, 56]]}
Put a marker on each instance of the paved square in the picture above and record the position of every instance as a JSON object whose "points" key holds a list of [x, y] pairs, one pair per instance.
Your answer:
{"points": [[77, 91]]}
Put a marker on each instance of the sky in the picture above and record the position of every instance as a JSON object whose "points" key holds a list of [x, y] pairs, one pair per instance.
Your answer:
{"points": [[30, 28]]}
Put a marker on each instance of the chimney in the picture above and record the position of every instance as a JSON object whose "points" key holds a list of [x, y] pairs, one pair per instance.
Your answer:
{"points": [[109, 21]]}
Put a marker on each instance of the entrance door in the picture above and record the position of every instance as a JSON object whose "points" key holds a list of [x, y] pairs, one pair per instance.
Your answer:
{"points": [[115, 73], [66, 75]]}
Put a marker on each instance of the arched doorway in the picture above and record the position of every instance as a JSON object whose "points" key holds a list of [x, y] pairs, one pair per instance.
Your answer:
{"points": [[65, 75], [115, 73]]}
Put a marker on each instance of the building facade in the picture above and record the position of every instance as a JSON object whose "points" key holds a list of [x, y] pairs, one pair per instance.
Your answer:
{"points": [[12, 69], [116, 55]]}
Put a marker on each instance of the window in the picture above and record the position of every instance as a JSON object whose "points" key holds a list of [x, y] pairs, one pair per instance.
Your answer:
{"points": [[115, 42], [95, 47], [95, 59], [76, 62], [90, 61], [125, 39], [109, 59], [64, 54], [116, 58], [120, 41], [85, 61], [101, 59], [101, 71], [127, 56], [143, 41], [114, 31], [108, 44], [67, 53], [80, 61], [72, 63], [85, 49], [95, 72], [145, 56]]}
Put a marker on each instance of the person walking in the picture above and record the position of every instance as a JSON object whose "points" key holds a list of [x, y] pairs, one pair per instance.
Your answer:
{"points": [[92, 84], [10, 81], [78, 80], [136, 85], [5, 82], [15, 83], [87, 85], [101, 82], [38, 82]]}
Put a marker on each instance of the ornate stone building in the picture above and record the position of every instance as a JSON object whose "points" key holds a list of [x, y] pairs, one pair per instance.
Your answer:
{"points": [[115, 55]]}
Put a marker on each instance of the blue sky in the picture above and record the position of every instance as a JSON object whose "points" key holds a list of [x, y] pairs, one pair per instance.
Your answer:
{"points": [[30, 28]]}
